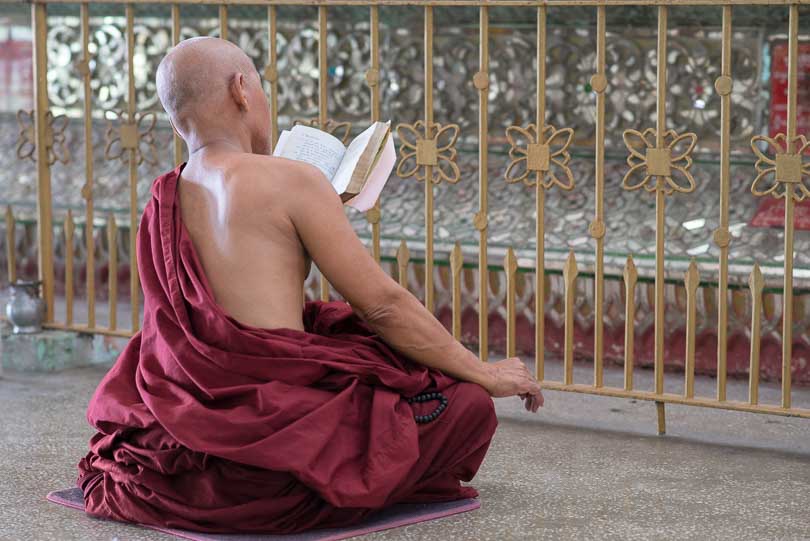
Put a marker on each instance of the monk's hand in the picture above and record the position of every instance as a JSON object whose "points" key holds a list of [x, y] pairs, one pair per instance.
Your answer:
{"points": [[532, 402], [510, 377]]}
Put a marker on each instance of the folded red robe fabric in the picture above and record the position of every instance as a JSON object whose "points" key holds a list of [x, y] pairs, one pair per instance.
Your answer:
{"points": [[208, 424]]}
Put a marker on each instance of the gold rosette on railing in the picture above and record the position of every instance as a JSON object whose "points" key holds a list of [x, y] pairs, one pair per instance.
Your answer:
{"points": [[669, 162], [131, 134], [416, 152], [547, 153], [55, 138], [774, 175]]}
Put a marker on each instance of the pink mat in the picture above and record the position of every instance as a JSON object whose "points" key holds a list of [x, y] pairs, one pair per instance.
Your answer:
{"points": [[397, 515]]}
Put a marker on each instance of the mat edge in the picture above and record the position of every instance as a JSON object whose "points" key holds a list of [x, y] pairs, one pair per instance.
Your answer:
{"points": [[474, 504]]}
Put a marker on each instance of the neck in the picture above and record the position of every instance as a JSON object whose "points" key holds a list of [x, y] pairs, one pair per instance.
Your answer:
{"points": [[224, 138]]}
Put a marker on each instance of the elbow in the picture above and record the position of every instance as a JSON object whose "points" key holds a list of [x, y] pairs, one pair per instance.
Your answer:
{"points": [[387, 309]]}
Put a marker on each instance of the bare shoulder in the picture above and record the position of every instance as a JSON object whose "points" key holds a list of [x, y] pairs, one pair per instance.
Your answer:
{"points": [[266, 180]]}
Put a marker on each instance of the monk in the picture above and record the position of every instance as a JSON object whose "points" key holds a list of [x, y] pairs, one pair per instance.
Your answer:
{"points": [[241, 407]]}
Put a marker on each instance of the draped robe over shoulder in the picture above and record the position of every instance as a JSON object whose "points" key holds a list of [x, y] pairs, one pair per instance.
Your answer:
{"points": [[209, 424]]}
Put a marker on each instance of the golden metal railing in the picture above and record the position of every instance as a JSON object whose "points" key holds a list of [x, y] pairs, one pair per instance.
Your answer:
{"points": [[659, 162]]}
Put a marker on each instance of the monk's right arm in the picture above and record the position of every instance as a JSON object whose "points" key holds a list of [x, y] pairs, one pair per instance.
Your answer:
{"points": [[389, 309], [407, 326]]}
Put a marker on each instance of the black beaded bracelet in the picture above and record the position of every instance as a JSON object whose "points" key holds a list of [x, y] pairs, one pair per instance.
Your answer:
{"points": [[424, 397]]}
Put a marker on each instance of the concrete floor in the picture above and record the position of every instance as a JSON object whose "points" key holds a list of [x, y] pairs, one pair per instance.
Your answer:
{"points": [[581, 468]]}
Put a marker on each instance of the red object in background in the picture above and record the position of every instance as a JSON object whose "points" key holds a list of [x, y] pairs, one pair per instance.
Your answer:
{"points": [[771, 212], [16, 73], [779, 88]]}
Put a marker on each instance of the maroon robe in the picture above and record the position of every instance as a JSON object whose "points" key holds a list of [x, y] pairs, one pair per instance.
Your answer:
{"points": [[208, 424]]}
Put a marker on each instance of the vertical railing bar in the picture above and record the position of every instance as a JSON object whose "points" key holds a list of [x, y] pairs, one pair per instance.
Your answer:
{"points": [[112, 273], [570, 278], [39, 23], [271, 74], [374, 87], [456, 264], [722, 237], [510, 268], [403, 257], [11, 246], [483, 178], [428, 168], [660, 129], [630, 278], [68, 227], [787, 291], [323, 110], [755, 284], [691, 282], [598, 226], [178, 142], [223, 21], [134, 288], [87, 189], [540, 204]]}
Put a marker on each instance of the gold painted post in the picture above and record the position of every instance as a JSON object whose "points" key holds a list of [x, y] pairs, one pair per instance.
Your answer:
{"points": [[691, 282], [787, 291], [223, 21], [323, 111], [510, 268], [660, 201], [87, 189], [597, 228], [662, 420], [112, 272], [178, 142], [721, 235], [570, 278], [540, 204], [373, 80], [41, 105], [11, 246], [134, 287], [69, 228], [429, 168], [755, 283], [481, 82], [630, 279], [661, 80], [456, 265], [403, 257], [271, 72]]}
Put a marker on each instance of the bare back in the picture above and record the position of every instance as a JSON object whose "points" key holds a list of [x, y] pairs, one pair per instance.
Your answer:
{"points": [[253, 259]]}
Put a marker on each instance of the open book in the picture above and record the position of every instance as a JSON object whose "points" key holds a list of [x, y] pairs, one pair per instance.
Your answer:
{"points": [[357, 172]]}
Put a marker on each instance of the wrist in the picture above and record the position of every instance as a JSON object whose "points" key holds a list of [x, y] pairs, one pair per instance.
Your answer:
{"points": [[484, 374]]}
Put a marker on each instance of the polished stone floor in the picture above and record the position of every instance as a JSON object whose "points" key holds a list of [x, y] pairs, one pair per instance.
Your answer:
{"points": [[581, 468]]}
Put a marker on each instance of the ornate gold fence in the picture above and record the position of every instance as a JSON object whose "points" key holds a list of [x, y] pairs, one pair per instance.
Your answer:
{"points": [[659, 162]]}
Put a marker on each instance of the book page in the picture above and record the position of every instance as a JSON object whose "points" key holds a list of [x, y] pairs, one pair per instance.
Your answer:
{"points": [[282, 140], [379, 175], [354, 152], [313, 146]]}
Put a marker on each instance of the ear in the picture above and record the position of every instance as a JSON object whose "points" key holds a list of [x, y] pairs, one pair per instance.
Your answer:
{"points": [[238, 91]]}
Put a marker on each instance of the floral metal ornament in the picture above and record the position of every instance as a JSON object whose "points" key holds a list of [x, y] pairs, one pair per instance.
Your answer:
{"points": [[547, 153], [131, 134], [417, 152], [330, 126], [776, 175], [669, 164], [55, 139]]}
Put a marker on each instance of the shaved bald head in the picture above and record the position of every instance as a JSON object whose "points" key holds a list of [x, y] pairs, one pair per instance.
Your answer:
{"points": [[204, 80]]}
